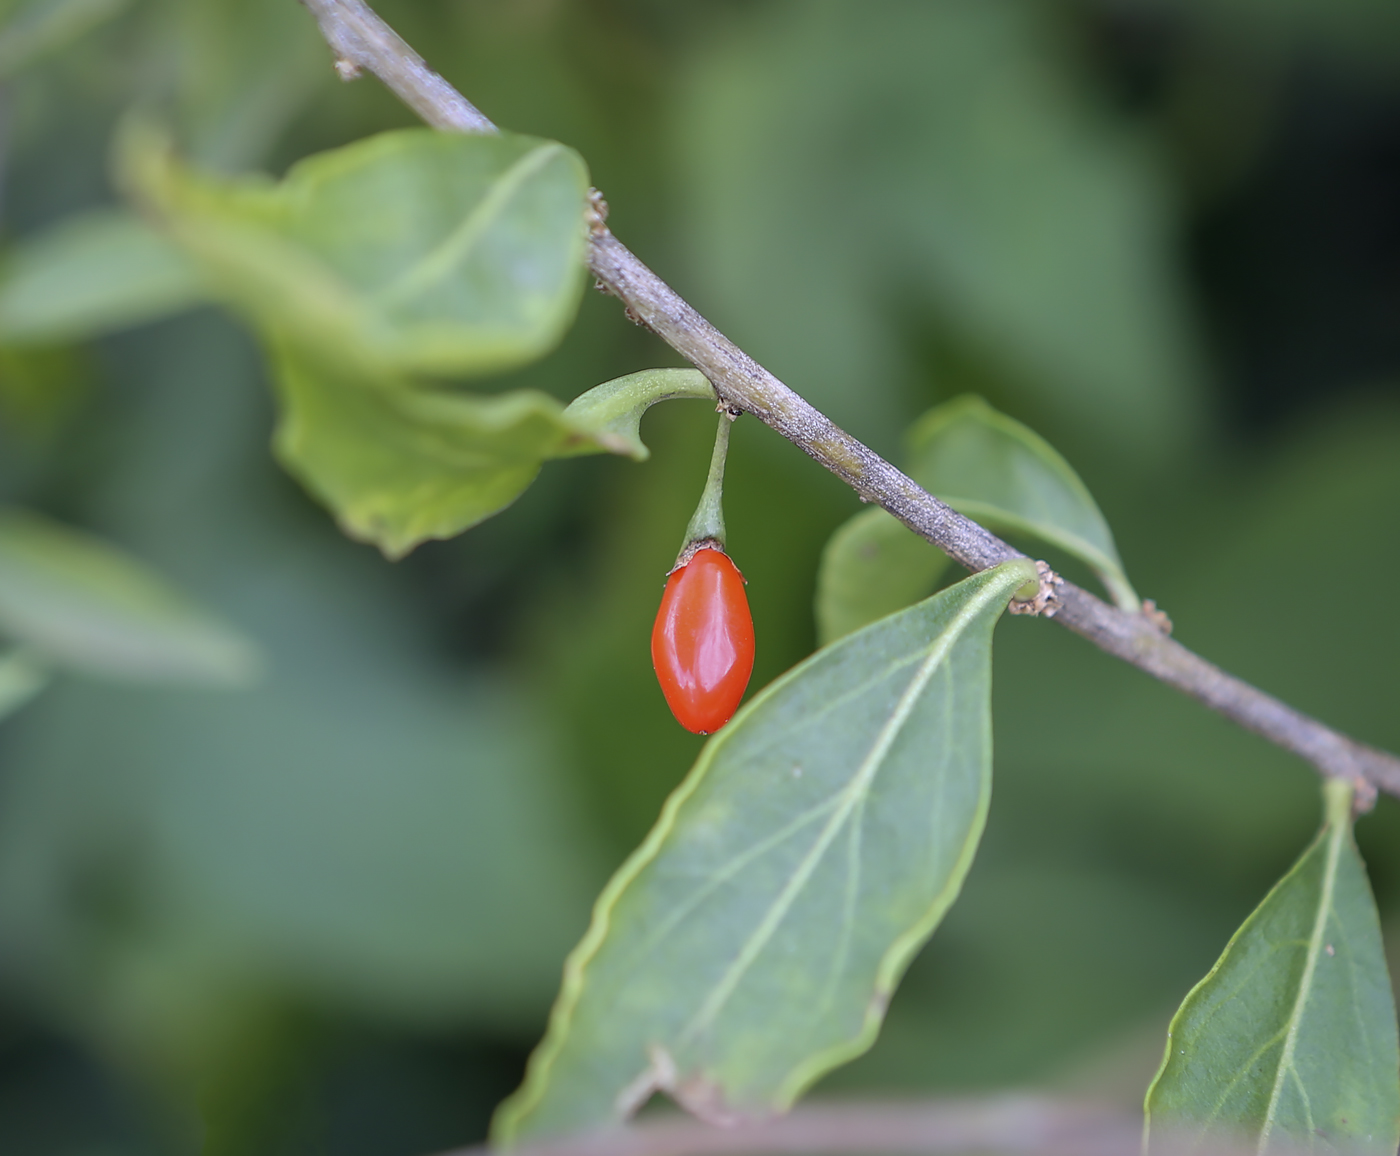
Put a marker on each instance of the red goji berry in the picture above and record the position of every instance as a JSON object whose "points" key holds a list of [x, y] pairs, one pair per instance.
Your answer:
{"points": [[702, 642]]}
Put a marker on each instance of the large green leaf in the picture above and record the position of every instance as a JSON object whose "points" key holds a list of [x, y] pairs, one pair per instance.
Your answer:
{"points": [[399, 465], [409, 252], [90, 274], [80, 603], [1291, 1038], [1001, 473], [872, 566], [754, 939]]}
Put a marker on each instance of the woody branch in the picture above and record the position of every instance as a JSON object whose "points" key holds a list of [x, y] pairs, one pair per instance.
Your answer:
{"points": [[362, 41]]}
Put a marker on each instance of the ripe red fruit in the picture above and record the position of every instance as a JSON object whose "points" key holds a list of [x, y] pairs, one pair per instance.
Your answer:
{"points": [[702, 643]]}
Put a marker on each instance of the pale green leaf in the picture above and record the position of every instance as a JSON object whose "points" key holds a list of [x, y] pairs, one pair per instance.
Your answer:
{"points": [[39, 27], [872, 566], [1290, 1041], [89, 275], [21, 678], [613, 410], [1000, 473], [79, 603], [754, 939], [399, 464], [408, 252]]}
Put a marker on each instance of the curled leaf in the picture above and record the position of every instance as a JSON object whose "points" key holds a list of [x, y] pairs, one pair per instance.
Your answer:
{"points": [[399, 463], [613, 411]]}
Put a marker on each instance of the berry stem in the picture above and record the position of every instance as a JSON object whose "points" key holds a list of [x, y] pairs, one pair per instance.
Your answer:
{"points": [[707, 523]]}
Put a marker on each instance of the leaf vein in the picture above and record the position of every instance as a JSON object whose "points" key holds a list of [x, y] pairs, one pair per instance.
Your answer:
{"points": [[456, 247], [1329, 881], [850, 796], [733, 867]]}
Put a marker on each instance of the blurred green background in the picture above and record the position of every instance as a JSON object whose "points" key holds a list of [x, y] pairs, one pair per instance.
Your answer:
{"points": [[329, 911]]}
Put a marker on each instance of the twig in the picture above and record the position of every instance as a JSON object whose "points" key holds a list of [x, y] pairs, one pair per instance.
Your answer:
{"points": [[361, 40], [1012, 1125]]}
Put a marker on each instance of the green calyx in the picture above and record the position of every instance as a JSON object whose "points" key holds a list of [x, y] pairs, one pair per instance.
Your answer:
{"points": [[707, 523]]}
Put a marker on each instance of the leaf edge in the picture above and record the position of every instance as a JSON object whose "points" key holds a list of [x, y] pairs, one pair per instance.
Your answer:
{"points": [[506, 1120]]}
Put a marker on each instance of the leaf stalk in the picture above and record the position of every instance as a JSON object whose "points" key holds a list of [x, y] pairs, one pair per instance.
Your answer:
{"points": [[707, 523]]}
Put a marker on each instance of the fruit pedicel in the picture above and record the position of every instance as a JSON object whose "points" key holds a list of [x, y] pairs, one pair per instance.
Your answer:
{"points": [[702, 644]]}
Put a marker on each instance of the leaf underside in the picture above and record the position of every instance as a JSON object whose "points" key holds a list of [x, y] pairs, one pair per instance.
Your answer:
{"points": [[1291, 1039], [753, 941], [404, 464]]}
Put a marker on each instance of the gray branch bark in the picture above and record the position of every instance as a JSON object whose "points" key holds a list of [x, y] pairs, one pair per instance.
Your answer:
{"points": [[1011, 1125], [361, 40]]}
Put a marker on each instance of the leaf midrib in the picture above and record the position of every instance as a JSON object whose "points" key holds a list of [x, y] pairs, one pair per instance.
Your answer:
{"points": [[1285, 1065], [852, 794], [453, 249], [794, 826]]}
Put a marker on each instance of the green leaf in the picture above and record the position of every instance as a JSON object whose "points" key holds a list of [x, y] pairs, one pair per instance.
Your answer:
{"points": [[401, 464], [408, 252], [985, 465], [614, 409], [754, 939], [1000, 473], [1291, 1038], [872, 566], [79, 603], [21, 678], [91, 274]]}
